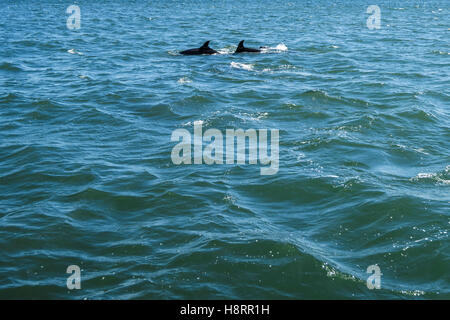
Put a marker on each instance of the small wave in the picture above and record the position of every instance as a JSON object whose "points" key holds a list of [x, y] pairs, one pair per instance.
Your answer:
{"points": [[197, 99], [244, 66], [230, 116], [416, 113], [434, 177], [320, 95], [324, 97], [239, 115], [160, 111]]}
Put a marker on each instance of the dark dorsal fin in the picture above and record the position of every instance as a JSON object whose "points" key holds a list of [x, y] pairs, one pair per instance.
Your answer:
{"points": [[205, 45], [241, 44]]}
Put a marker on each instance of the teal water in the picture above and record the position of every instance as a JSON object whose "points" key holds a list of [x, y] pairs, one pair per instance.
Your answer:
{"points": [[86, 176]]}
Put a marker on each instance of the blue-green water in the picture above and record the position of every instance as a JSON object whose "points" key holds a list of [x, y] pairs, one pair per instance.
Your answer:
{"points": [[86, 176]]}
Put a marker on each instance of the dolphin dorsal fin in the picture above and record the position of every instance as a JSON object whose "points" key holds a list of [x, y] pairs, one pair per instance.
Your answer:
{"points": [[206, 44], [241, 44]]}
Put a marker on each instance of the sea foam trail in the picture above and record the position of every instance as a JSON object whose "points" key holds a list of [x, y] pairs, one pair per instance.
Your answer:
{"points": [[243, 66]]}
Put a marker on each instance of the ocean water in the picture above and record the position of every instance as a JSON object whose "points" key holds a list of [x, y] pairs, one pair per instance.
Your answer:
{"points": [[87, 179]]}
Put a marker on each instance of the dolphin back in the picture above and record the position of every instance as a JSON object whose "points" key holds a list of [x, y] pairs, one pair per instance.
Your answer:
{"points": [[240, 48], [204, 49]]}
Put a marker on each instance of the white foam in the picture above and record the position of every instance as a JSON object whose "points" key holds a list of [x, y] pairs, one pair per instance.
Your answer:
{"points": [[184, 80], [226, 50], [195, 122], [73, 51], [244, 66], [432, 176], [281, 47], [425, 175]]}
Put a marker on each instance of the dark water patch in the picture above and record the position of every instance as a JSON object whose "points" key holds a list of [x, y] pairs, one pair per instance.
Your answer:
{"points": [[159, 111], [116, 201], [322, 97], [298, 110], [9, 67], [10, 97], [98, 118], [196, 100]]}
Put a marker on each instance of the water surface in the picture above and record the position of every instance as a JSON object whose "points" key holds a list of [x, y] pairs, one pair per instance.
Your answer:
{"points": [[86, 176]]}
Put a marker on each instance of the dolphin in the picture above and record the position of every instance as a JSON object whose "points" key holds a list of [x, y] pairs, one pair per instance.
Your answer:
{"points": [[240, 48], [204, 49]]}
